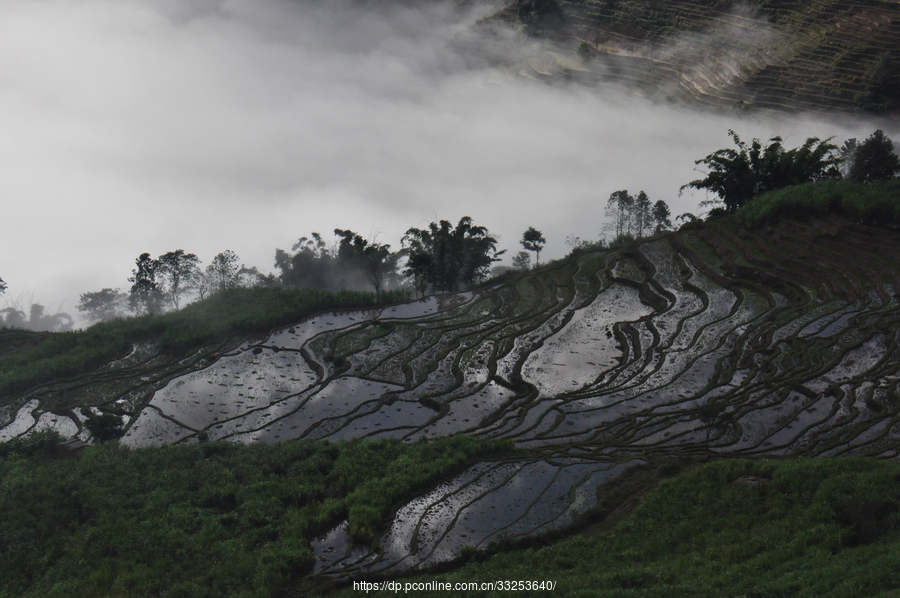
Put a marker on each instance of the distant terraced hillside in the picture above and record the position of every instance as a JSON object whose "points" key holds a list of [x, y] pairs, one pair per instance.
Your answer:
{"points": [[715, 340], [801, 54]]}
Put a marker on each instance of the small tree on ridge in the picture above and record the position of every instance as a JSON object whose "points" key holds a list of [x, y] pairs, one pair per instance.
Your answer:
{"points": [[533, 240]]}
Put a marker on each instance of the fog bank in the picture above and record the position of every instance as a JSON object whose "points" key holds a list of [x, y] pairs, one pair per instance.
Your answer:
{"points": [[207, 125]]}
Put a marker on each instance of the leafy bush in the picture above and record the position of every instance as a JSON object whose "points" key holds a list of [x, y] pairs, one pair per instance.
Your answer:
{"points": [[104, 427]]}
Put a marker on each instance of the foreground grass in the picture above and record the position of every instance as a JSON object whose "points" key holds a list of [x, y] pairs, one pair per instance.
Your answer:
{"points": [[817, 528], [30, 359], [204, 520]]}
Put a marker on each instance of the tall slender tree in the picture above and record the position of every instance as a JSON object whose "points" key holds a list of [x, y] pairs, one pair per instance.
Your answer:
{"points": [[660, 216], [619, 208], [420, 268], [642, 217], [533, 240]]}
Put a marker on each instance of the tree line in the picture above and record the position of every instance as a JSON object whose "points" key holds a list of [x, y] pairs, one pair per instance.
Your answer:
{"points": [[633, 216], [440, 258], [165, 282], [446, 258], [37, 317], [736, 176]]}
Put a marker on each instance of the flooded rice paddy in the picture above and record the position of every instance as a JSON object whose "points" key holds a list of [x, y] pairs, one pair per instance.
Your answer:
{"points": [[619, 354]]}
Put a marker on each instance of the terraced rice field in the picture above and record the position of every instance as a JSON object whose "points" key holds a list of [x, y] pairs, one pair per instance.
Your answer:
{"points": [[712, 340], [795, 55]]}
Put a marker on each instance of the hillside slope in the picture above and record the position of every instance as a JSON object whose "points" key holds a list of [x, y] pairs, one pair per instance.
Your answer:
{"points": [[780, 340], [800, 54]]}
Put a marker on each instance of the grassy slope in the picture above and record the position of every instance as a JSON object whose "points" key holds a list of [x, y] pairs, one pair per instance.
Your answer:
{"points": [[816, 527], [204, 520], [875, 203]]}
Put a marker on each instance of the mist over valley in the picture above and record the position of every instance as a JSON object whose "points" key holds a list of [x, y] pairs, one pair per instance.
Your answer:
{"points": [[206, 126], [566, 297]]}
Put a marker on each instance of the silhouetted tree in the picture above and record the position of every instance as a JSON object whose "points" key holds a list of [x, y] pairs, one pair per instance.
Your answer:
{"points": [[3, 286], [630, 216], [352, 262], [357, 258], [642, 217], [223, 272], [419, 267], [619, 209], [660, 216], [533, 240], [177, 273], [380, 265], [145, 296], [310, 266], [204, 284], [449, 258], [875, 160], [737, 176], [103, 305]]}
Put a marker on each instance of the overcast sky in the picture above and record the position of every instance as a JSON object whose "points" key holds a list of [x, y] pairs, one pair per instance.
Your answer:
{"points": [[133, 126]]}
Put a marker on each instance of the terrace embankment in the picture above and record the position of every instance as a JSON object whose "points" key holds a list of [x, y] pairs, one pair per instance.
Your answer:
{"points": [[716, 340]]}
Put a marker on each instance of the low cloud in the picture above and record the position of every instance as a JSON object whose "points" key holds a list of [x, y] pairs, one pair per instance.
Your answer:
{"points": [[236, 124]]}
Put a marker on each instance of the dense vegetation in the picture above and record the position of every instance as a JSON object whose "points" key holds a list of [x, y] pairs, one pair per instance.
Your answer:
{"points": [[213, 519], [29, 359], [797, 527], [876, 203]]}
